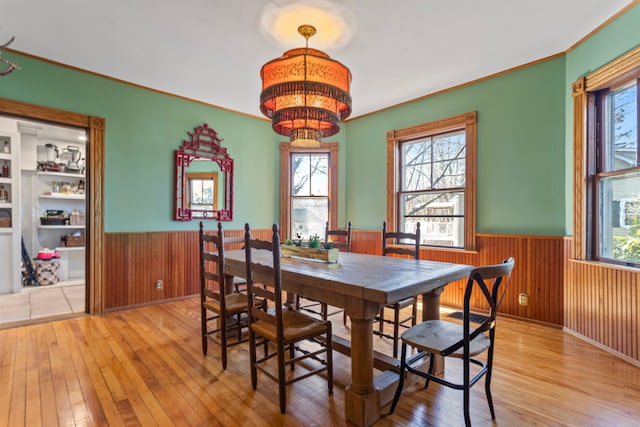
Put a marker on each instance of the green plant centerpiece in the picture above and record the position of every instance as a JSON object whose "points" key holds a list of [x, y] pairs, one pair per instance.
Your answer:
{"points": [[313, 249], [314, 241]]}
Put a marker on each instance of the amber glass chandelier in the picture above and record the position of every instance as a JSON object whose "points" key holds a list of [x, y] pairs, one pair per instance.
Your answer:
{"points": [[305, 93]]}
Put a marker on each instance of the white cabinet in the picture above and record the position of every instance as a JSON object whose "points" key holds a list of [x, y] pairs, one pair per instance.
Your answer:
{"points": [[60, 220], [10, 254]]}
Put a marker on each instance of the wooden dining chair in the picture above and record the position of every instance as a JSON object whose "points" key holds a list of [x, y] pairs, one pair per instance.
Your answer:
{"points": [[284, 327], [464, 341], [223, 312], [340, 239], [236, 243], [414, 252]]}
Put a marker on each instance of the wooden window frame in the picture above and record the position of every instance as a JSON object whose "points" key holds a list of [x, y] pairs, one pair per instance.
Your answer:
{"points": [[466, 122], [584, 134], [201, 176], [285, 183]]}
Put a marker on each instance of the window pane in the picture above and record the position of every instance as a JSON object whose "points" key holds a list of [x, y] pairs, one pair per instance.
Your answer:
{"points": [[416, 162], [201, 192], [449, 160], [319, 175], [300, 168], [441, 217], [620, 217], [308, 216], [621, 132], [434, 163]]}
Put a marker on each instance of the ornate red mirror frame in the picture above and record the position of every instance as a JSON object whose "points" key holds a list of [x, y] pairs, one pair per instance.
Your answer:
{"points": [[203, 144]]}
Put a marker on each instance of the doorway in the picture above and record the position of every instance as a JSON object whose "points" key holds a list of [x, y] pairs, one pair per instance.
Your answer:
{"points": [[94, 224], [47, 178]]}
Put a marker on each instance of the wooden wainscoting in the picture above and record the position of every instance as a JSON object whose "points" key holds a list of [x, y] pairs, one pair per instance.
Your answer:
{"points": [[136, 261], [538, 272], [603, 305]]}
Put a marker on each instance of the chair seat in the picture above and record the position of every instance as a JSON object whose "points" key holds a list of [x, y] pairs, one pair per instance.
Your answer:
{"points": [[296, 326], [235, 303], [435, 336]]}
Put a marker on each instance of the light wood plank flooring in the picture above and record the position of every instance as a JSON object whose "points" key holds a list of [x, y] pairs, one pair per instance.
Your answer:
{"points": [[144, 367]]}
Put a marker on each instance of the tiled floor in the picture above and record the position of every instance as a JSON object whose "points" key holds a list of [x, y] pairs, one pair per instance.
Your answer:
{"points": [[40, 303]]}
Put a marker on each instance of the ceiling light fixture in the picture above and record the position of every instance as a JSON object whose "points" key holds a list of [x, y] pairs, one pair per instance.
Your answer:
{"points": [[305, 93], [11, 64]]}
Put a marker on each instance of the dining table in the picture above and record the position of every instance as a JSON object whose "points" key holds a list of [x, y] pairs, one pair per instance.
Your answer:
{"points": [[361, 284]]}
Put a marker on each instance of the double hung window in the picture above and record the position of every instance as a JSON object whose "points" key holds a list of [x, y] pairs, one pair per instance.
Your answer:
{"points": [[606, 161], [432, 186], [432, 181], [309, 190]]}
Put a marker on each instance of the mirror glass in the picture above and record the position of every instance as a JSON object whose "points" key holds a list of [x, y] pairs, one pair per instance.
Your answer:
{"points": [[204, 177]]}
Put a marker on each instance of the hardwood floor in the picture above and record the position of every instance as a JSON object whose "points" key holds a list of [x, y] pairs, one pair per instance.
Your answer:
{"points": [[144, 366]]}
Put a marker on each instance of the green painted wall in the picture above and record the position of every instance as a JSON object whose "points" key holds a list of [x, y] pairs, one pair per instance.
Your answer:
{"points": [[524, 142], [143, 128], [615, 39], [520, 146]]}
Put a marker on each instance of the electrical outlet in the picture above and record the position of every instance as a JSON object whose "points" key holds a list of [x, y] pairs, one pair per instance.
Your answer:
{"points": [[159, 285], [523, 299]]}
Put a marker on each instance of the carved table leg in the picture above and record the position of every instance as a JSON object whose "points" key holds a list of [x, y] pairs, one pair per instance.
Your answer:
{"points": [[362, 400]]}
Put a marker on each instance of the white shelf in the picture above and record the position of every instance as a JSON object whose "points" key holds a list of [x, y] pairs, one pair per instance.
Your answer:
{"points": [[5, 156], [44, 198], [59, 227], [61, 174], [5, 180], [6, 205], [62, 196], [5, 230]]}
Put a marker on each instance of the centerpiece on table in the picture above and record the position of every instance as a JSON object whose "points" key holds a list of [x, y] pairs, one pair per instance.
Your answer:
{"points": [[312, 249]]}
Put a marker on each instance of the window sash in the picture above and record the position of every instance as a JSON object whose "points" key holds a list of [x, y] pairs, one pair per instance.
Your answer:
{"points": [[614, 232]]}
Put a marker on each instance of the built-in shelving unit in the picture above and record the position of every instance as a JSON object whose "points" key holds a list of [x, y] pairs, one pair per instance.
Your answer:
{"points": [[41, 169], [10, 273], [59, 191]]}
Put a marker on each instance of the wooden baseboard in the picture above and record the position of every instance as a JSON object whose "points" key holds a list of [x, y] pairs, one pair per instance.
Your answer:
{"points": [[144, 304], [609, 350]]}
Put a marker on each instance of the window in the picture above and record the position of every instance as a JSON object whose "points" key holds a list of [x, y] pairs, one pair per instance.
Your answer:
{"points": [[309, 194], [309, 190], [607, 164], [616, 222], [433, 181], [202, 188]]}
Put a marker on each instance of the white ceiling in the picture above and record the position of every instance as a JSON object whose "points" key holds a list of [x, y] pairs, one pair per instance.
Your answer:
{"points": [[212, 50]]}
